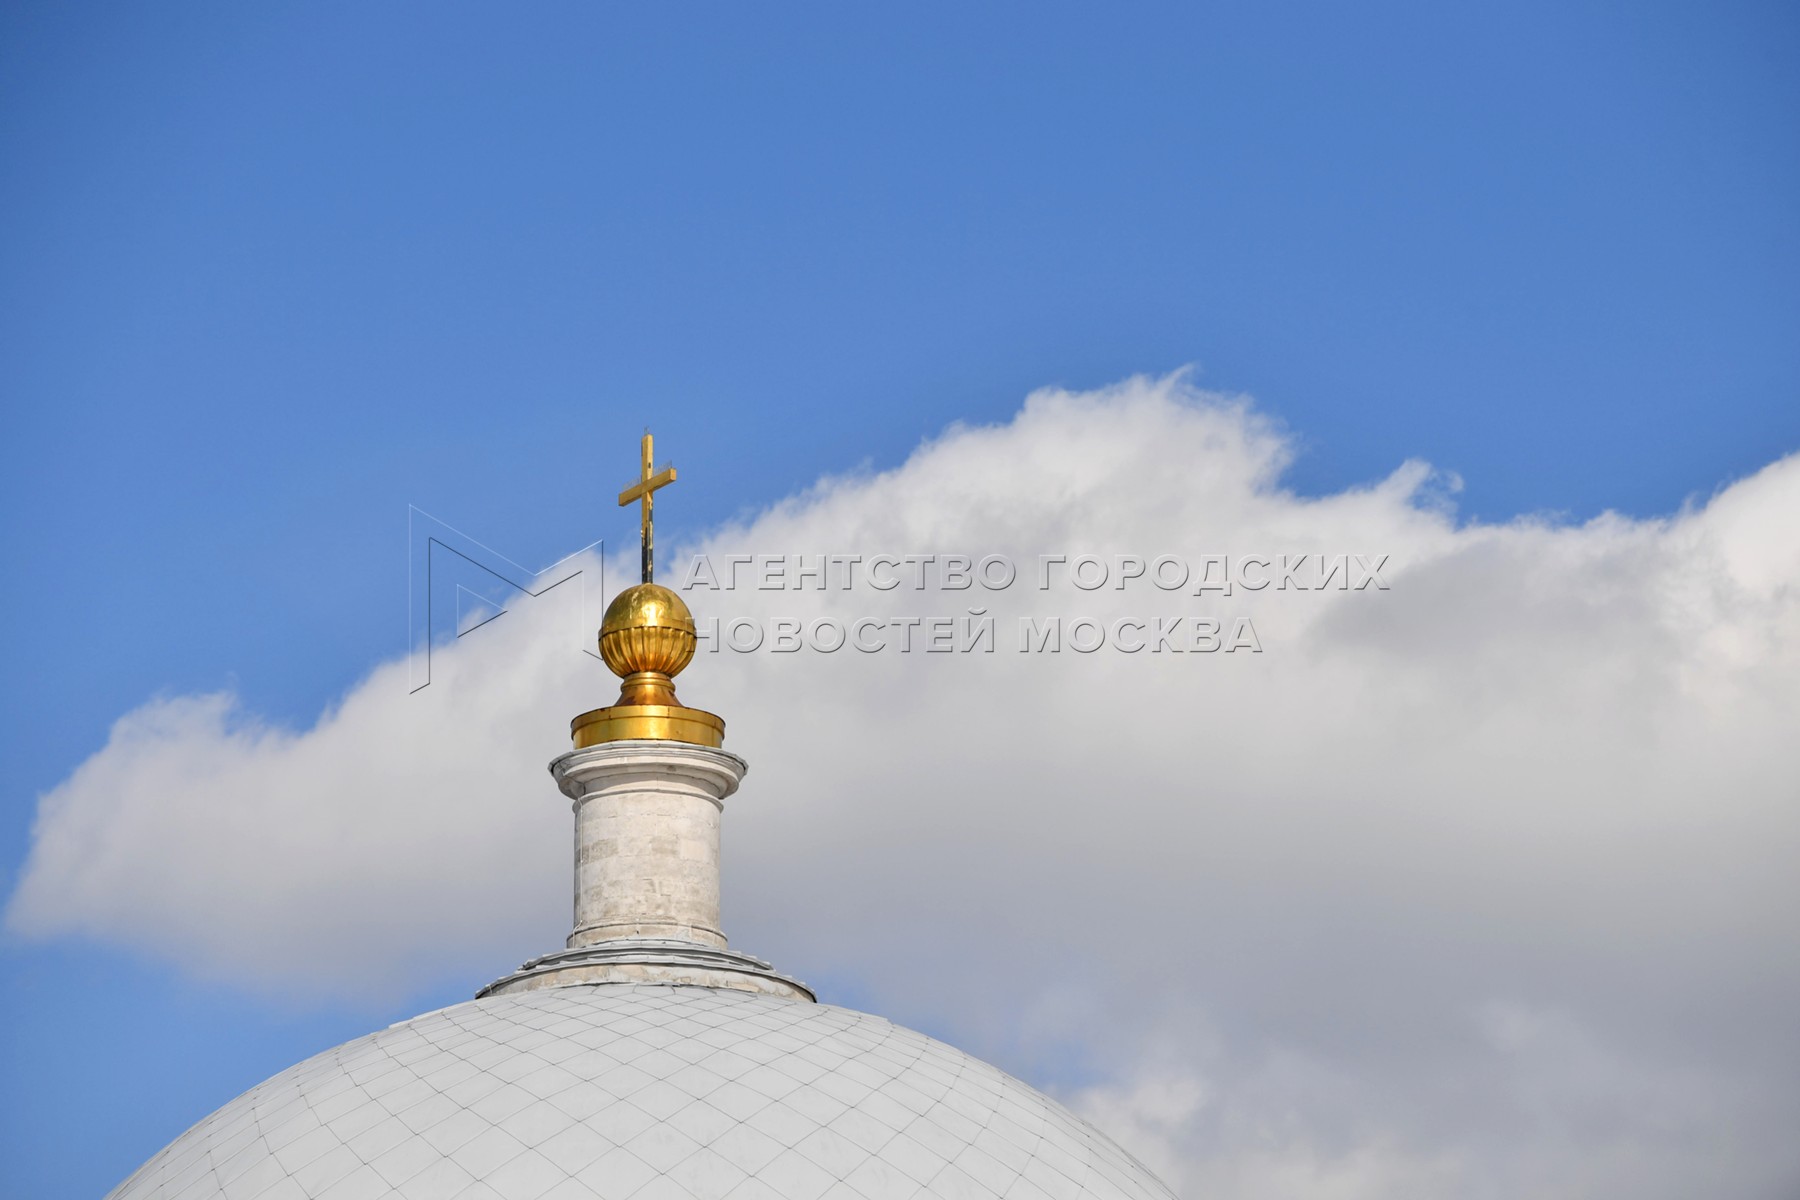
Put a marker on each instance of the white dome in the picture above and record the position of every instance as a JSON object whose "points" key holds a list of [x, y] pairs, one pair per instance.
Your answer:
{"points": [[648, 1091]]}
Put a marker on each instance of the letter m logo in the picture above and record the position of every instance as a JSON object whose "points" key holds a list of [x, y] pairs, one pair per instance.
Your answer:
{"points": [[456, 585]]}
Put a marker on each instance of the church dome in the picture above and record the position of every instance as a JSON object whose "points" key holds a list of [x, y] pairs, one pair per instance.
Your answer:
{"points": [[651, 1091], [647, 1058]]}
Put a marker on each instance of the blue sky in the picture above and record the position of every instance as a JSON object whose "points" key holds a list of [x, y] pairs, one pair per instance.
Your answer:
{"points": [[272, 273]]}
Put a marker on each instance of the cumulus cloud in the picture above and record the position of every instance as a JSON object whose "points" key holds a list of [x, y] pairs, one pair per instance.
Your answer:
{"points": [[1478, 885]]}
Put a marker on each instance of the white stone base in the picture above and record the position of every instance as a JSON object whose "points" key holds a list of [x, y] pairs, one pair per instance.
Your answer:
{"points": [[647, 817], [643, 960]]}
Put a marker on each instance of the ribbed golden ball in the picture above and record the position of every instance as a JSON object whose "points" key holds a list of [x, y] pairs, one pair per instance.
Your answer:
{"points": [[647, 628]]}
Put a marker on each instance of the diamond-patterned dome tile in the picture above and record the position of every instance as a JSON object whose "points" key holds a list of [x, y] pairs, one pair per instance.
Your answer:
{"points": [[641, 1092]]}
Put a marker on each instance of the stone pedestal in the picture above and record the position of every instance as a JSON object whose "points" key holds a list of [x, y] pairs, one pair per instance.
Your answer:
{"points": [[647, 816], [647, 838]]}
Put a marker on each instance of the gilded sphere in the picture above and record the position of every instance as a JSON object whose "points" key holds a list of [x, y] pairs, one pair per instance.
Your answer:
{"points": [[647, 628]]}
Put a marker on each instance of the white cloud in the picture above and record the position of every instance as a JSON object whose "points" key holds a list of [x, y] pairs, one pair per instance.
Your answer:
{"points": [[1481, 885]]}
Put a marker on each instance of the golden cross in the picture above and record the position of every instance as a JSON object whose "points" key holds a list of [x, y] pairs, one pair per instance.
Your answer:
{"points": [[643, 490]]}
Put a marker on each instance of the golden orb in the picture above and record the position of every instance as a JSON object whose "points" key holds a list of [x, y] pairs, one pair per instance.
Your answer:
{"points": [[647, 628], [646, 638]]}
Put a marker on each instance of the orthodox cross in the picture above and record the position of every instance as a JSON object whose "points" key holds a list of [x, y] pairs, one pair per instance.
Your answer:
{"points": [[643, 490]]}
